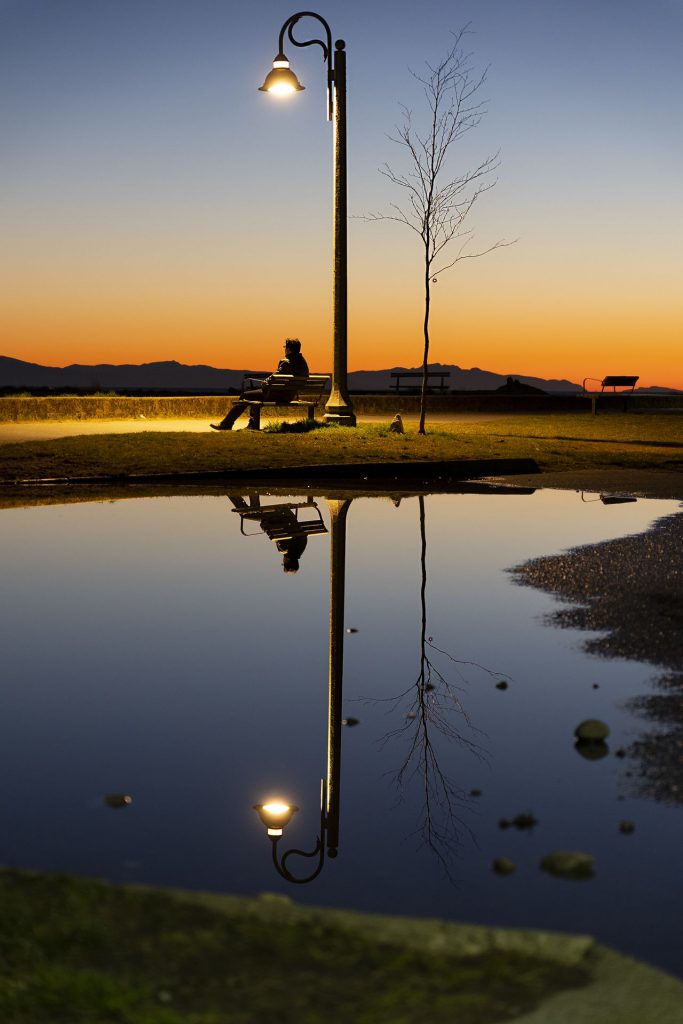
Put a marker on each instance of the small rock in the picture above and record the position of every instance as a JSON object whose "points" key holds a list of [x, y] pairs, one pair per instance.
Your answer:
{"points": [[627, 827], [569, 864], [349, 721], [522, 821], [592, 750], [504, 866], [117, 800], [502, 685], [591, 729]]}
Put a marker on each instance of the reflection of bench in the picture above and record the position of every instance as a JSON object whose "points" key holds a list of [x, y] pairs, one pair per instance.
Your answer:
{"points": [[614, 381], [281, 522], [284, 389], [399, 375]]}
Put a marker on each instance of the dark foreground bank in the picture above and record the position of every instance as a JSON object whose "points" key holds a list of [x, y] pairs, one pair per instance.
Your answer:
{"points": [[80, 950]]}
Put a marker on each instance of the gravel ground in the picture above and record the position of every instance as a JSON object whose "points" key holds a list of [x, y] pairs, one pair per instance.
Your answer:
{"points": [[631, 589]]}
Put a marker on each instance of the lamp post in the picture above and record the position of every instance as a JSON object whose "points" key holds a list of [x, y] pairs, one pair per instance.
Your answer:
{"points": [[282, 81], [276, 814]]}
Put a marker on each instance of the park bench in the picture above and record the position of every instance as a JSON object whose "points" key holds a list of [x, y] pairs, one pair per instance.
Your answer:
{"points": [[613, 381], [284, 389], [399, 375]]}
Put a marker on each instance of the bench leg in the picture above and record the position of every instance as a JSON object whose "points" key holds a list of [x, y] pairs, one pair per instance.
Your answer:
{"points": [[311, 413], [254, 417]]}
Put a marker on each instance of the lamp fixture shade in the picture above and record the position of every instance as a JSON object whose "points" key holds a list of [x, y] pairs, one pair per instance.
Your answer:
{"points": [[281, 81], [275, 815]]}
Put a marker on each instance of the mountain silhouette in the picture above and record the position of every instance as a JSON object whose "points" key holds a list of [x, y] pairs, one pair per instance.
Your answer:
{"points": [[170, 375]]}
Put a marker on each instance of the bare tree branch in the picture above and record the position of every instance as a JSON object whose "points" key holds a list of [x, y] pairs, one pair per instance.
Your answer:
{"points": [[437, 206]]}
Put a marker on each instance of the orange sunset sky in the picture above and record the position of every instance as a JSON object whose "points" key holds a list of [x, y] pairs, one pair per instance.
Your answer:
{"points": [[157, 206]]}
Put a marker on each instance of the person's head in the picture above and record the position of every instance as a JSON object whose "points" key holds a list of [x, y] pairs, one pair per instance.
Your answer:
{"points": [[290, 563], [292, 346]]}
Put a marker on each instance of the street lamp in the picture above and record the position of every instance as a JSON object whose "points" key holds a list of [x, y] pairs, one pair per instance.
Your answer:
{"points": [[276, 814], [282, 81]]}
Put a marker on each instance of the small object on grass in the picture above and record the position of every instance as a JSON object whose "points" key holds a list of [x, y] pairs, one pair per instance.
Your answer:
{"points": [[396, 425], [117, 800], [501, 685], [573, 864], [349, 721], [504, 866], [627, 827]]}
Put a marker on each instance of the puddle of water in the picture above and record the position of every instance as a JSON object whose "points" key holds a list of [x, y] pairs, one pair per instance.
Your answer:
{"points": [[151, 649]]}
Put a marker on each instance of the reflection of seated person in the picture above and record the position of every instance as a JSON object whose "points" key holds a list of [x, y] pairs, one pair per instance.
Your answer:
{"points": [[292, 550], [279, 524], [293, 363]]}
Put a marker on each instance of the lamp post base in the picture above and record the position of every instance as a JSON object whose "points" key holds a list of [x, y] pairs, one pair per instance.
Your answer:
{"points": [[339, 409], [342, 419]]}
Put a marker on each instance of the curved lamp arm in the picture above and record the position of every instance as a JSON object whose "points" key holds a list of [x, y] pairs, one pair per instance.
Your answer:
{"points": [[288, 27], [318, 851], [325, 45]]}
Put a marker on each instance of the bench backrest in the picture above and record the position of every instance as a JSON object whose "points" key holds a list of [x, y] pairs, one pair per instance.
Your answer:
{"points": [[619, 382], [308, 389]]}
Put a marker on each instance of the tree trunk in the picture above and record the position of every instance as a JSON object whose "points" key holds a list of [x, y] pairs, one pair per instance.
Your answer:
{"points": [[425, 357]]}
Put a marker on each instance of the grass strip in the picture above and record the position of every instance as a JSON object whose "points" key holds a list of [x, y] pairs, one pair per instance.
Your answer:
{"points": [[556, 442], [84, 952]]}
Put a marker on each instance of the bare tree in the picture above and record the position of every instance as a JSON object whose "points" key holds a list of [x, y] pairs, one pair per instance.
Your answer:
{"points": [[433, 715], [438, 203]]}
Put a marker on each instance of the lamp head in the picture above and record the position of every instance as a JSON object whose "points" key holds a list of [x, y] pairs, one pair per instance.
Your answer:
{"points": [[275, 814], [281, 81]]}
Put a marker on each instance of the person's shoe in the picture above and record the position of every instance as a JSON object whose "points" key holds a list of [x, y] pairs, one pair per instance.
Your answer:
{"points": [[218, 426]]}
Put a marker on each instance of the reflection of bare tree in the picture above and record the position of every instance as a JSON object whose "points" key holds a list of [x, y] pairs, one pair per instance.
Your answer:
{"points": [[433, 713]]}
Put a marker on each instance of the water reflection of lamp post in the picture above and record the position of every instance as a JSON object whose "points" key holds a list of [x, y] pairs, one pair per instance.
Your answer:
{"points": [[276, 814], [282, 81]]}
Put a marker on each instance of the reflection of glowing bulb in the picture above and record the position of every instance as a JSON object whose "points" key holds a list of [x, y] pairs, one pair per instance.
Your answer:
{"points": [[276, 808], [275, 815]]}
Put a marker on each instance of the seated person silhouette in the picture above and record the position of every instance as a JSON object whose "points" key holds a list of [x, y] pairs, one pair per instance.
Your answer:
{"points": [[293, 363]]}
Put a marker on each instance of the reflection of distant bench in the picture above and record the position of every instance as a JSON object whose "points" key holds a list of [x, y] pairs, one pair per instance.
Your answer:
{"points": [[613, 382], [284, 389], [399, 375]]}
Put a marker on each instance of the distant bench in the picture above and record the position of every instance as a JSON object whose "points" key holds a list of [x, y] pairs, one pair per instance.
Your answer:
{"points": [[399, 375], [613, 381], [284, 389]]}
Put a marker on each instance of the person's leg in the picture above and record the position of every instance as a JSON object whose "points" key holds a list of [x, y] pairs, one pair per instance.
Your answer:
{"points": [[233, 413]]}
